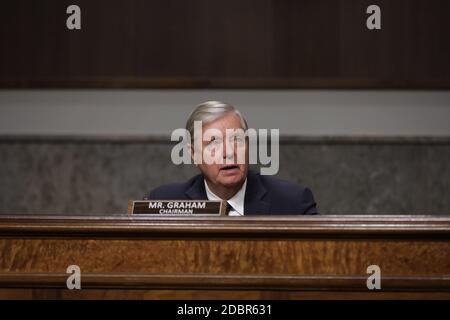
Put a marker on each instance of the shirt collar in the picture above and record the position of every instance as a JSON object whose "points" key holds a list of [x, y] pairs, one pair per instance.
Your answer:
{"points": [[237, 201]]}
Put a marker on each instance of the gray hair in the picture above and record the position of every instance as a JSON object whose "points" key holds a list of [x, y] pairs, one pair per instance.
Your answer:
{"points": [[210, 111]]}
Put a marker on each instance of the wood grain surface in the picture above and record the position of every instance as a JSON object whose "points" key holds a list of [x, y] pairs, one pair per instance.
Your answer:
{"points": [[250, 257]]}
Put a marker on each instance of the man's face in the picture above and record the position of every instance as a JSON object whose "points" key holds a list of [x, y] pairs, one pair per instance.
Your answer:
{"points": [[230, 173]]}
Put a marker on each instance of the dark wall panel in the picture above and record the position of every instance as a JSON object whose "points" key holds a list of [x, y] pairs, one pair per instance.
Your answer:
{"points": [[350, 176], [225, 44]]}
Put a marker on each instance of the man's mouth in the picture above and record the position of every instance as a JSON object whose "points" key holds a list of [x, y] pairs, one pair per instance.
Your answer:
{"points": [[229, 167]]}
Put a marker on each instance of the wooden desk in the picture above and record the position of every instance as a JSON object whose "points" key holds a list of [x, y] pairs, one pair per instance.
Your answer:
{"points": [[316, 257]]}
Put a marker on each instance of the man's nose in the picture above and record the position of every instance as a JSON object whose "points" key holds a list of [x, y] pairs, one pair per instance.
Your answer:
{"points": [[228, 154]]}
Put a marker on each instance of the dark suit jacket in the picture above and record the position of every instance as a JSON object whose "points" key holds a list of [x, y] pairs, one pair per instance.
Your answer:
{"points": [[263, 195]]}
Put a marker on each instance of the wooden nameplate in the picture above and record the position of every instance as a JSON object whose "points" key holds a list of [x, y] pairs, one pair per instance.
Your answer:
{"points": [[177, 207]]}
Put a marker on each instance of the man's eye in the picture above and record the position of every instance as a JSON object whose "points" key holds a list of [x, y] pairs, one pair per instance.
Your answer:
{"points": [[214, 142], [239, 140]]}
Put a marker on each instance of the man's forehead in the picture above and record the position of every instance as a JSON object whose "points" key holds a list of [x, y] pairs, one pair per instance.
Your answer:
{"points": [[228, 121]]}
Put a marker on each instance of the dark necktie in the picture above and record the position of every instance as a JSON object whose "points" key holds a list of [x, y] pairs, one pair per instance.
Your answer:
{"points": [[229, 208]]}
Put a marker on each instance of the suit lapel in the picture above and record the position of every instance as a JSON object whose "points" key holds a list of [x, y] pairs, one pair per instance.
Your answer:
{"points": [[197, 190], [254, 194], [254, 203]]}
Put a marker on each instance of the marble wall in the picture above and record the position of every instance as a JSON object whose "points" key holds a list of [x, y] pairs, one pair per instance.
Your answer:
{"points": [[347, 175]]}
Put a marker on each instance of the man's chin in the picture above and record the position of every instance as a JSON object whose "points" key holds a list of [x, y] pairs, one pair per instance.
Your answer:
{"points": [[231, 181]]}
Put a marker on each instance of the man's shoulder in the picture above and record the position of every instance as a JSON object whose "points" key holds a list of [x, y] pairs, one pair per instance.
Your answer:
{"points": [[287, 197], [280, 186], [171, 191]]}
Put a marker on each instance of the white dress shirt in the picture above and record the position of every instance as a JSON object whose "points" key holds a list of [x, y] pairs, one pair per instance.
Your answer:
{"points": [[237, 201]]}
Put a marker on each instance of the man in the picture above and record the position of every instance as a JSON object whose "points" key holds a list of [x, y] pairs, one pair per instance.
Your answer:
{"points": [[246, 192]]}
